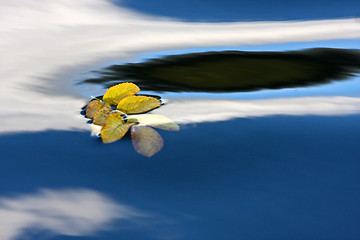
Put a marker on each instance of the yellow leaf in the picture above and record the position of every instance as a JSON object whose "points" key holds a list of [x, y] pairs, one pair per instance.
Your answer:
{"points": [[157, 121], [114, 127], [114, 94], [138, 104], [94, 106], [146, 140], [100, 116]]}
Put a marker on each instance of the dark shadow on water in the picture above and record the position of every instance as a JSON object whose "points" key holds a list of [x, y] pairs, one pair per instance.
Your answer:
{"points": [[232, 71]]}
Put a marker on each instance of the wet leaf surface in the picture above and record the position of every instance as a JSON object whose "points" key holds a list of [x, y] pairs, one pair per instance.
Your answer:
{"points": [[100, 116], [112, 125], [157, 121], [138, 104], [146, 140], [116, 93], [94, 106], [114, 128]]}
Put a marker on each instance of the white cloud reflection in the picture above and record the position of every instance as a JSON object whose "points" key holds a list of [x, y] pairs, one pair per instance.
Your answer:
{"points": [[212, 110], [72, 212], [44, 44]]}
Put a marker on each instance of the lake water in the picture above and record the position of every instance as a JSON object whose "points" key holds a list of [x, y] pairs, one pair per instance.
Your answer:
{"points": [[254, 165]]}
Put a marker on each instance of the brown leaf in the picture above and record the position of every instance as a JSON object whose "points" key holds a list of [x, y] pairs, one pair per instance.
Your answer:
{"points": [[100, 116], [146, 140], [94, 106]]}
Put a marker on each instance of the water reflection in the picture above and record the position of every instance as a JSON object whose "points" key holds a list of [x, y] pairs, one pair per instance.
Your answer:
{"points": [[281, 178], [44, 44], [233, 71], [72, 212], [212, 110]]}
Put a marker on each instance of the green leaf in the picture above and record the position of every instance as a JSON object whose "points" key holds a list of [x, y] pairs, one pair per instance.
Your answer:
{"points": [[138, 104], [114, 127], [146, 141], [116, 93], [94, 106], [157, 121]]}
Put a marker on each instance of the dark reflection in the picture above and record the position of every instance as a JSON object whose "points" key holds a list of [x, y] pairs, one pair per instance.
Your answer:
{"points": [[231, 71]]}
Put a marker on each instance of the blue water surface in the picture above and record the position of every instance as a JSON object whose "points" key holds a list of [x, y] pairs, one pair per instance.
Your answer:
{"points": [[275, 177], [234, 10], [263, 178]]}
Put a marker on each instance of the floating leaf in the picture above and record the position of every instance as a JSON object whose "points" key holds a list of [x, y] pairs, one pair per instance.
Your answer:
{"points": [[116, 93], [114, 127], [133, 120], [138, 104], [157, 121], [94, 106], [100, 116], [94, 98], [146, 140]]}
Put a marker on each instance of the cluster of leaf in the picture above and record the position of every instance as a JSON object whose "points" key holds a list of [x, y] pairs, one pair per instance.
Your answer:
{"points": [[111, 112]]}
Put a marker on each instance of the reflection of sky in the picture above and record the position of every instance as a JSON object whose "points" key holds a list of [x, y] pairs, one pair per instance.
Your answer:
{"points": [[72, 212], [288, 46], [45, 44], [212, 110], [282, 177], [278, 174]]}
